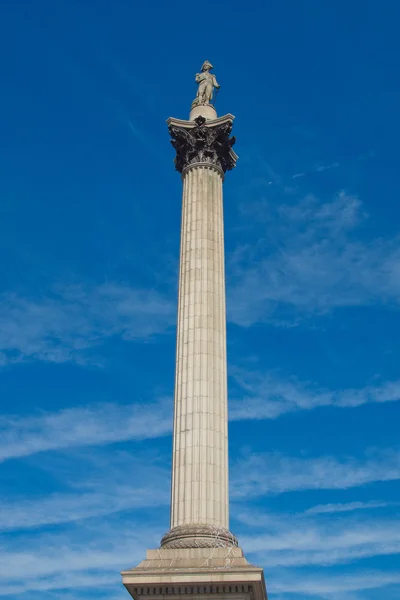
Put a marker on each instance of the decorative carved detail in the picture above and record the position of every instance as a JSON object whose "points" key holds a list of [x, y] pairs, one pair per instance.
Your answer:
{"points": [[198, 536], [182, 590], [202, 144]]}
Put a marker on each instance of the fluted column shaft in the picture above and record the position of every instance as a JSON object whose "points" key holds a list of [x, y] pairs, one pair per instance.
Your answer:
{"points": [[199, 498], [200, 453]]}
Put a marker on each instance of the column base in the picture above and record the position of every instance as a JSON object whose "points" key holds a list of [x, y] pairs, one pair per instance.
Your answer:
{"points": [[199, 536], [194, 574]]}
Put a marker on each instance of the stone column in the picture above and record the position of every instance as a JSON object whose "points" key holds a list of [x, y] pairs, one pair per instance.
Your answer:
{"points": [[199, 498], [199, 558]]}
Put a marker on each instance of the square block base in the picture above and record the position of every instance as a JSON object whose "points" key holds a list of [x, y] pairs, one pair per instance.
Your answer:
{"points": [[182, 574]]}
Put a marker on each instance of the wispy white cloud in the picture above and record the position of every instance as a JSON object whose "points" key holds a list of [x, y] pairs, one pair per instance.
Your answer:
{"points": [[289, 542], [321, 509], [259, 475], [104, 541], [267, 396], [47, 561], [322, 548], [76, 556], [307, 539], [318, 169], [68, 585], [62, 324], [83, 426], [96, 483], [70, 507], [309, 261], [334, 585]]}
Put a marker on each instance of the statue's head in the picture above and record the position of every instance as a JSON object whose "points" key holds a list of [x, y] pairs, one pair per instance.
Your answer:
{"points": [[206, 66]]}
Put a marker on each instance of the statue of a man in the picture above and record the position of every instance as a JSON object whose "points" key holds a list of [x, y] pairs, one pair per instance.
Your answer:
{"points": [[207, 82]]}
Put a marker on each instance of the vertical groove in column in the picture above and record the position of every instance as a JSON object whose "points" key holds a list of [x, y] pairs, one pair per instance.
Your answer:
{"points": [[175, 472], [220, 389], [215, 367], [180, 358], [195, 513], [224, 392], [189, 433], [202, 357], [212, 397], [199, 481], [216, 342]]}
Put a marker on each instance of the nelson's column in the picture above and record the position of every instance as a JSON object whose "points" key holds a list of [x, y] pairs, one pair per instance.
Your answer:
{"points": [[199, 556]]}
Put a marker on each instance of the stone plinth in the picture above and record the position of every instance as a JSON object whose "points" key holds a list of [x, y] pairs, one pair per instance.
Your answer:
{"points": [[188, 574]]}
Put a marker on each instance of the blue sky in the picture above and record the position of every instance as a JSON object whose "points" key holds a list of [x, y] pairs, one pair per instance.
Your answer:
{"points": [[89, 239]]}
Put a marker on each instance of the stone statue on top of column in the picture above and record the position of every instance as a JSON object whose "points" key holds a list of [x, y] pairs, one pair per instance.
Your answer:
{"points": [[206, 82]]}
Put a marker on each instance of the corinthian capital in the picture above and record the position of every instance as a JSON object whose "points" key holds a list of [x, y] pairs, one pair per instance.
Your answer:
{"points": [[203, 142]]}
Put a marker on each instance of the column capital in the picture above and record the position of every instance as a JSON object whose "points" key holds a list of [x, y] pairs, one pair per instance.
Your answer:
{"points": [[201, 141]]}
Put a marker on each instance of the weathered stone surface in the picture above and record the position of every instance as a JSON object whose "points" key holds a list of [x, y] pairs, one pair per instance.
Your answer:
{"points": [[200, 437], [198, 536], [196, 573]]}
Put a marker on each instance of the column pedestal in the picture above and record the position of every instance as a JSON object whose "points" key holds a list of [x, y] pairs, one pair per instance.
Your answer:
{"points": [[192, 574]]}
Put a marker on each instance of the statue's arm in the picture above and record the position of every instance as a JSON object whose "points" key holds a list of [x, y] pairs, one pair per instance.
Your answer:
{"points": [[215, 83]]}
